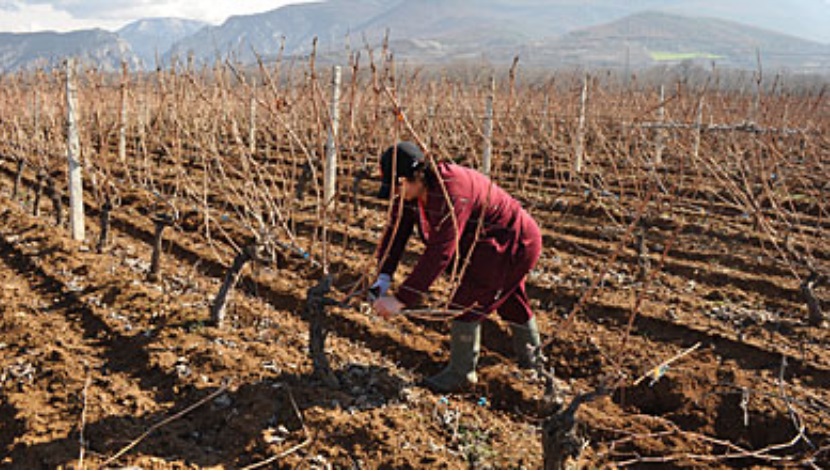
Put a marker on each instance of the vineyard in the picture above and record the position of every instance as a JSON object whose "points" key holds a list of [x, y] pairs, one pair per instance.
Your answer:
{"points": [[211, 309]]}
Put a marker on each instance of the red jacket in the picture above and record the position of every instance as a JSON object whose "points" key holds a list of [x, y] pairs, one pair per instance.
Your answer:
{"points": [[508, 244]]}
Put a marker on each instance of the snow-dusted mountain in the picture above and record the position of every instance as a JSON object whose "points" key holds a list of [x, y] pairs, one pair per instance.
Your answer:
{"points": [[95, 47], [445, 30], [551, 33], [246, 36], [151, 38]]}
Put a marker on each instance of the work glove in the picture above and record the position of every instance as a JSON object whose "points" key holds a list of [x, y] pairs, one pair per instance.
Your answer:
{"points": [[387, 306], [380, 287]]}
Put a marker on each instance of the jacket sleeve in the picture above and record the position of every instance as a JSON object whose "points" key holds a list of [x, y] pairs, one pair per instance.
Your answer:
{"points": [[443, 240], [394, 240]]}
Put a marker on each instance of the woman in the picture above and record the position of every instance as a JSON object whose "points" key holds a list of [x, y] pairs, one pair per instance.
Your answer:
{"points": [[458, 209]]}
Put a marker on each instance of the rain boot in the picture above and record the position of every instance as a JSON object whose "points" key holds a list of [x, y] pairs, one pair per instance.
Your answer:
{"points": [[460, 373], [525, 340]]}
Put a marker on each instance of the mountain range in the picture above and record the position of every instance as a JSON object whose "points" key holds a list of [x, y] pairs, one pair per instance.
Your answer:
{"points": [[48, 49], [151, 38], [544, 33]]}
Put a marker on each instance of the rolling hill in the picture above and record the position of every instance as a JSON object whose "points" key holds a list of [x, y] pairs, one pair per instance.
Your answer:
{"points": [[649, 38], [545, 33], [549, 33], [48, 49]]}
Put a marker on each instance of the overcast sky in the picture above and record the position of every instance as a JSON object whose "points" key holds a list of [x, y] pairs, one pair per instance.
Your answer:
{"points": [[66, 15]]}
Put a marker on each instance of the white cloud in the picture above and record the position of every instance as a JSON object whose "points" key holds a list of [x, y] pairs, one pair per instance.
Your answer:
{"points": [[67, 15], [19, 18]]}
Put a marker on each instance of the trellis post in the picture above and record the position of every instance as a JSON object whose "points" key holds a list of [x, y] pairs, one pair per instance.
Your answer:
{"points": [[73, 155], [580, 132], [252, 129], [122, 119], [661, 130], [698, 132], [330, 175], [487, 154]]}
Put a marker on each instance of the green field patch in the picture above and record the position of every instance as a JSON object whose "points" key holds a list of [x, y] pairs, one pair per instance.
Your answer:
{"points": [[679, 56]]}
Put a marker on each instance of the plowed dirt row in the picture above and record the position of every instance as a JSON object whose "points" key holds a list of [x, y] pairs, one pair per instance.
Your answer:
{"points": [[149, 357], [732, 304], [172, 360]]}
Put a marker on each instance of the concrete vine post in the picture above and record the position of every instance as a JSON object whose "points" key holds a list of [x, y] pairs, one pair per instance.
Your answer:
{"points": [[431, 114], [252, 124], [122, 118], [36, 134], [143, 119], [330, 170], [73, 156], [548, 131], [580, 132], [756, 96], [698, 132], [330, 184], [659, 139], [123, 121], [487, 154]]}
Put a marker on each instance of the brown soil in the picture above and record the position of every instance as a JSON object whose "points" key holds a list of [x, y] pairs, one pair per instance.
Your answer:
{"points": [[94, 357]]}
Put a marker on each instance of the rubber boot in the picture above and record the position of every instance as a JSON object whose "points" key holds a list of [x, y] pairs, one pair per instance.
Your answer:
{"points": [[460, 373], [525, 340]]}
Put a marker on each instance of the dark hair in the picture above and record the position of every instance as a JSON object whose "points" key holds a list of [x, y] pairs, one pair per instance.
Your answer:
{"points": [[402, 160], [426, 174]]}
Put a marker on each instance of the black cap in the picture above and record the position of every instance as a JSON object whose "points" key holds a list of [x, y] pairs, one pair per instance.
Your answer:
{"points": [[407, 156]]}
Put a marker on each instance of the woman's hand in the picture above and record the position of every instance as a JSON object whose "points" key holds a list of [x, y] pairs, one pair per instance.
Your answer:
{"points": [[387, 306], [380, 287]]}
